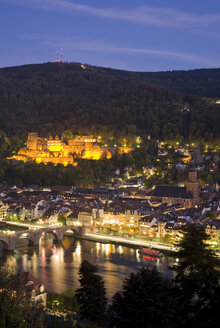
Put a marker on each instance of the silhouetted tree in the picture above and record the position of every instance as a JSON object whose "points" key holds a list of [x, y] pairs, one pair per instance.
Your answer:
{"points": [[91, 295], [196, 278], [146, 300]]}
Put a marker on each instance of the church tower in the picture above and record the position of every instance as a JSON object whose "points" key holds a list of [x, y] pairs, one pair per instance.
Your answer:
{"points": [[192, 186]]}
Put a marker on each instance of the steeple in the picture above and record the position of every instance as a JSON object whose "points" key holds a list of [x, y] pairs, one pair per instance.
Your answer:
{"points": [[192, 186]]}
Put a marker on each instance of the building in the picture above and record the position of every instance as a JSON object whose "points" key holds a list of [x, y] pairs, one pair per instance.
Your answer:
{"points": [[34, 287], [3, 210], [187, 196], [213, 231], [126, 218], [192, 187], [85, 218], [148, 225], [173, 195], [59, 151], [82, 217]]}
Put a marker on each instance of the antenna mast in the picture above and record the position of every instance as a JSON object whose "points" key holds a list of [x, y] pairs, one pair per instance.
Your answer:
{"points": [[61, 55], [57, 60]]}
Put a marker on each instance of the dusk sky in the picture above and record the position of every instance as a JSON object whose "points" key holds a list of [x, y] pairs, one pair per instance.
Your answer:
{"points": [[141, 35]]}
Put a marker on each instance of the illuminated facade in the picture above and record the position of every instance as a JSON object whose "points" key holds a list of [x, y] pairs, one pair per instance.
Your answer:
{"points": [[213, 231], [58, 151], [124, 150], [126, 218]]}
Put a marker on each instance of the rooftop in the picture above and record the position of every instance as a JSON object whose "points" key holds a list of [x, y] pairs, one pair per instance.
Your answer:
{"points": [[171, 191]]}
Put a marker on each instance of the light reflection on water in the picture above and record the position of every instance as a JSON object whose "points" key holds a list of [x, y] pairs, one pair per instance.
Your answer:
{"points": [[57, 266]]}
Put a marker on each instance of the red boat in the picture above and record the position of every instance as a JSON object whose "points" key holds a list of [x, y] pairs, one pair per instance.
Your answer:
{"points": [[150, 252]]}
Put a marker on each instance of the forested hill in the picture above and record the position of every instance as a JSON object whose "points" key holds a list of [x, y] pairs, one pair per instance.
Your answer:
{"points": [[200, 82], [50, 98]]}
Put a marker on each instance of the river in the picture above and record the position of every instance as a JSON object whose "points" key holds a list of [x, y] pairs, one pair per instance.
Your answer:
{"points": [[57, 267]]}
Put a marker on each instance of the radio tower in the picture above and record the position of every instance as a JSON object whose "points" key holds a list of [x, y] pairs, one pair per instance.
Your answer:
{"points": [[61, 55], [57, 60]]}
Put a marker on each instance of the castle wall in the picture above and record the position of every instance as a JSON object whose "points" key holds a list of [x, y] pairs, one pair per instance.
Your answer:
{"points": [[56, 151]]}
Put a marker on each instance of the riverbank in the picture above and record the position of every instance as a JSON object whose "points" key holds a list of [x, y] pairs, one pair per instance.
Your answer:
{"points": [[167, 250], [171, 250], [108, 239]]}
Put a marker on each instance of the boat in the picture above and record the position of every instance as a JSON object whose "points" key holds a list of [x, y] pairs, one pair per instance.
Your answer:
{"points": [[149, 251]]}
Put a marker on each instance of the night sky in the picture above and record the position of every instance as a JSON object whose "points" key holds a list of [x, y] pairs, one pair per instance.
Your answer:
{"points": [[142, 35]]}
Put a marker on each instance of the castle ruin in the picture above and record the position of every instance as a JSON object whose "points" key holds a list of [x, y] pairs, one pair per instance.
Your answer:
{"points": [[59, 151]]}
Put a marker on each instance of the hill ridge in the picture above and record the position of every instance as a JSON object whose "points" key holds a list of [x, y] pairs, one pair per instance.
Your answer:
{"points": [[51, 98]]}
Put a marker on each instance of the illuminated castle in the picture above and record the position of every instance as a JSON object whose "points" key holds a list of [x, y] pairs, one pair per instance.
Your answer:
{"points": [[58, 151]]}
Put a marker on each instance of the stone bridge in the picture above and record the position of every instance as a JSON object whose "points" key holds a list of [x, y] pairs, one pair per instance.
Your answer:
{"points": [[34, 236]]}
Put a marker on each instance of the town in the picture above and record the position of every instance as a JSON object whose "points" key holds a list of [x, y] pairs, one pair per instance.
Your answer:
{"points": [[125, 207], [110, 164]]}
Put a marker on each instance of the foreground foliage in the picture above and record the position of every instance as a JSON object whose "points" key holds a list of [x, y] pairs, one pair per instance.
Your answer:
{"points": [[62, 302], [91, 295], [16, 310], [146, 300], [197, 281]]}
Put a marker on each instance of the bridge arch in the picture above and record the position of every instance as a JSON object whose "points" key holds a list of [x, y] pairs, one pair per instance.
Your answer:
{"points": [[73, 230], [4, 243], [25, 236], [52, 232]]}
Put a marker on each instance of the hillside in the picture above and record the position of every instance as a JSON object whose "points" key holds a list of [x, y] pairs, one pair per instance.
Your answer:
{"points": [[199, 82], [51, 98]]}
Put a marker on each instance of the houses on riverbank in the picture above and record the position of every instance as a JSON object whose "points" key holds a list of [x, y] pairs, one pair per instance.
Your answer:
{"points": [[130, 211]]}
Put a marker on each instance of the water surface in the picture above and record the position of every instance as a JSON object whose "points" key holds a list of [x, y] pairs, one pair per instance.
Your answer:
{"points": [[57, 265]]}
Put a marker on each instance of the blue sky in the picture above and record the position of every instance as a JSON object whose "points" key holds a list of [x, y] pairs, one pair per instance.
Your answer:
{"points": [[141, 35]]}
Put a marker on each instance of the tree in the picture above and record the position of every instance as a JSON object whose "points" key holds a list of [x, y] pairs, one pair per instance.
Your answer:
{"points": [[62, 219], [15, 305], [63, 302], [196, 277], [146, 300], [92, 294]]}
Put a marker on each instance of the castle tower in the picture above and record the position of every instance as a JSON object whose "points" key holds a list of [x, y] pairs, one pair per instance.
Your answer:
{"points": [[32, 141], [192, 186]]}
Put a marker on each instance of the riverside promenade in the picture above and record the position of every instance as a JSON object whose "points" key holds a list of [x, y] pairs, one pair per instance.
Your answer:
{"points": [[129, 241], [102, 238]]}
